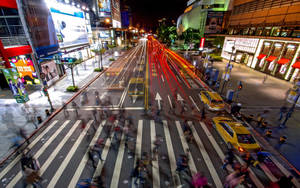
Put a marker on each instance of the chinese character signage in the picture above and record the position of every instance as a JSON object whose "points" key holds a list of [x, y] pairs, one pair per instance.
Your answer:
{"points": [[16, 85]]}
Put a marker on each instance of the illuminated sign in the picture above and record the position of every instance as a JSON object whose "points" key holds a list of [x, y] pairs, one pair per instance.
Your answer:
{"points": [[202, 43], [70, 25]]}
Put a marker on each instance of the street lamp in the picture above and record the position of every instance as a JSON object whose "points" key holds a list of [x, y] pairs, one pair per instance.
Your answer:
{"points": [[291, 110]]}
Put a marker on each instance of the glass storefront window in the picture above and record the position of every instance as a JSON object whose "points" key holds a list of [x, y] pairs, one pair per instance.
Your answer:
{"points": [[275, 31], [259, 31], [245, 31], [252, 31], [296, 33], [267, 31], [230, 31], [285, 32]]}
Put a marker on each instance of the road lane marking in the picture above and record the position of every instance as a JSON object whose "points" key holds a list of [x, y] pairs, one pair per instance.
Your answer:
{"points": [[84, 160], [184, 143], [118, 164], [207, 160], [284, 171], [268, 172], [171, 153], [50, 158], [138, 145], [215, 145], [155, 167], [170, 101], [252, 175], [162, 78], [194, 103], [17, 159], [70, 154]]}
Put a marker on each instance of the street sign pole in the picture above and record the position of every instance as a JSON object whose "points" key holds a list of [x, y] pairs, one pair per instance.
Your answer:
{"points": [[291, 110]]}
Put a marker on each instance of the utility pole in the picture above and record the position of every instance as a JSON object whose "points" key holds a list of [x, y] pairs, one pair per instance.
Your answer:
{"points": [[291, 110]]}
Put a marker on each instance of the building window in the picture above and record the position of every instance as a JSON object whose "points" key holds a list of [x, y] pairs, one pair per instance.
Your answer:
{"points": [[267, 31], [252, 31], [275, 31], [245, 31], [259, 31], [285, 32], [296, 33]]}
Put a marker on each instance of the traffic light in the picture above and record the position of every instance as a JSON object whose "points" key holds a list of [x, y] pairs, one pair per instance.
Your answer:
{"points": [[45, 91], [240, 86]]}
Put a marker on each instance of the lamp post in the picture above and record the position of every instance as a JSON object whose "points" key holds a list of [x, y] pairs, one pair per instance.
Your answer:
{"points": [[291, 110]]}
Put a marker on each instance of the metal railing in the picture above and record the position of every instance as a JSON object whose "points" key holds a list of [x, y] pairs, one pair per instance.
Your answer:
{"points": [[20, 40]]}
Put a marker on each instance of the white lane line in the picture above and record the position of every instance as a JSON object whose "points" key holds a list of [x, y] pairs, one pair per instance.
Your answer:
{"points": [[162, 78], [67, 159], [194, 103], [284, 171], [84, 160], [208, 162], [17, 159], [252, 175], [186, 148], [199, 97], [171, 153], [268, 172], [215, 145], [50, 158], [138, 146], [118, 165], [155, 167], [170, 101]]}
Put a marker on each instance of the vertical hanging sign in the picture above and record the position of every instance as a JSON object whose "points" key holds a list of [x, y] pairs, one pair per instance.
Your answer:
{"points": [[16, 85], [202, 43]]}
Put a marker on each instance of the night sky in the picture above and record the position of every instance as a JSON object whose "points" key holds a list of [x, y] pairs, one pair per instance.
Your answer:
{"points": [[147, 12]]}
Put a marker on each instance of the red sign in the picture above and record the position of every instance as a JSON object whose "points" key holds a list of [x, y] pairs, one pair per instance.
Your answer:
{"points": [[202, 43]]}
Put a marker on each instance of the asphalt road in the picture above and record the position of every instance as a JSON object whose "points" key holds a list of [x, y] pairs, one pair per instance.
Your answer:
{"points": [[61, 146]]}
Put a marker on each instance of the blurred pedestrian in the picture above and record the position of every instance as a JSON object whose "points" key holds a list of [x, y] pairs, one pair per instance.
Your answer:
{"points": [[286, 182], [75, 107], [265, 78], [229, 159], [30, 166], [199, 180], [23, 134], [182, 163], [282, 111], [65, 110], [92, 157], [203, 113]]}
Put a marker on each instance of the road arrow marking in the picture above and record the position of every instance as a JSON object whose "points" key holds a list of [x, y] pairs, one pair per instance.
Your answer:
{"points": [[158, 99]]}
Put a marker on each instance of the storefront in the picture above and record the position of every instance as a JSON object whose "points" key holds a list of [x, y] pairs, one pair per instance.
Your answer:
{"points": [[278, 58], [264, 52], [241, 49], [272, 59]]}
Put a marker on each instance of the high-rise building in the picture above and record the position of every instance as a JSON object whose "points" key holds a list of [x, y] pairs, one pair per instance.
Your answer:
{"points": [[265, 36], [204, 15]]}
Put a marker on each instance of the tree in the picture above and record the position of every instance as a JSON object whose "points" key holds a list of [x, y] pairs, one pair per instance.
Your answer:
{"points": [[99, 52]]}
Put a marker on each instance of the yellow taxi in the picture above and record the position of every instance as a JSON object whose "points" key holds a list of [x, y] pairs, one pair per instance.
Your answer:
{"points": [[136, 87], [235, 134], [212, 100]]}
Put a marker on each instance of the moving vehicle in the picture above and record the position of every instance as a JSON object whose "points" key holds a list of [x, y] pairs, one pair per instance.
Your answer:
{"points": [[136, 87], [212, 100], [235, 134]]}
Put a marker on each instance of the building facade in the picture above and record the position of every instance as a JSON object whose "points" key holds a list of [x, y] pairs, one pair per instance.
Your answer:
{"points": [[265, 36]]}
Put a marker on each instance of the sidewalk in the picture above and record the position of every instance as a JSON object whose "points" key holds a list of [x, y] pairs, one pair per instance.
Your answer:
{"points": [[256, 97], [12, 116]]}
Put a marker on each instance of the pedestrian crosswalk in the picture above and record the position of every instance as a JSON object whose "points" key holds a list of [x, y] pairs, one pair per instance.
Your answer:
{"points": [[62, 150]]}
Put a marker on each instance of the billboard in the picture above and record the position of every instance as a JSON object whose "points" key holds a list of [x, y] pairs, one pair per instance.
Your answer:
{"points": [[50, 70], [16, 85], [40, 25], [69, 25], [214, 22], [104, 5]]}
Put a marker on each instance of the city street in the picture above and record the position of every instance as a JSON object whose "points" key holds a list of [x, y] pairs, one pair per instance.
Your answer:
{"points": [[147, 83]]}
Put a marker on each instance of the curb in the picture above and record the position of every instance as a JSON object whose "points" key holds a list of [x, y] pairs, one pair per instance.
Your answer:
{"points": [[52, 116]]}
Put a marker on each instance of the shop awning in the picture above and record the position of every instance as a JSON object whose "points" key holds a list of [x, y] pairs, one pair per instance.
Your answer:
{"points": [[296, 65], [283, 61], [271, 58], [261, 56]]}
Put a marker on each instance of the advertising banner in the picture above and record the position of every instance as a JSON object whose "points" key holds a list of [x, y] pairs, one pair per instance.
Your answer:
{"points": [[16, 85], [104, 5], [25, 68], [50, 70], [214, 22], [41, 27], [70, 26]]}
